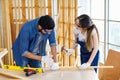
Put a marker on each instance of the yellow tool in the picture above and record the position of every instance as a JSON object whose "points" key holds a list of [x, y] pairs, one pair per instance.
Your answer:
{"points": [[10, 67]]}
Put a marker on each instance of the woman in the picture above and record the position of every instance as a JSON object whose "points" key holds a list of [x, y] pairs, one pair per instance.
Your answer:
{"points": [[87, 36]]}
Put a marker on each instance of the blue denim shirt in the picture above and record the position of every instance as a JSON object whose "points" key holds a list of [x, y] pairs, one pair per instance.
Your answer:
{"points": [[28, 38]]}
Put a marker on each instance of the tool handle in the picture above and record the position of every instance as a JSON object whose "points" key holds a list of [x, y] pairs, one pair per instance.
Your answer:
{"points": [[29, 72]]}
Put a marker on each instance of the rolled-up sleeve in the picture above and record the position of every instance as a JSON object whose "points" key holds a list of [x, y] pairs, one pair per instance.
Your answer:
{"points": [[52, 39], [23, 54]]}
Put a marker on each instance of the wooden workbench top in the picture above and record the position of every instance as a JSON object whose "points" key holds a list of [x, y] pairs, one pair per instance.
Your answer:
{"points": [[56, 75]]}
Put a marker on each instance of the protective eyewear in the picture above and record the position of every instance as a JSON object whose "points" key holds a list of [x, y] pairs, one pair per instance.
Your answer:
{"points": [[47, 31]]}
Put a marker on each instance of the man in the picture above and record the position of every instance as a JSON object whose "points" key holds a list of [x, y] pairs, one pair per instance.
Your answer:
{"points": [[29, 47]]}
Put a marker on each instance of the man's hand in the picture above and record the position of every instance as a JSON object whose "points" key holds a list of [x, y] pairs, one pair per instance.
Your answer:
{"points": [[55, 66], [84, 66], [50, 63], [69, 51], [48, 60]]}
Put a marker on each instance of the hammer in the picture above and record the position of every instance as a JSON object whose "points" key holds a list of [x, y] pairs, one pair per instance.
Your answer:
{"points": [[63, 49]]}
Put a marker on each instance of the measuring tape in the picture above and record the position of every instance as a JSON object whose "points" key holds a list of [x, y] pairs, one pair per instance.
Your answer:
{"points": [[10, 67]]}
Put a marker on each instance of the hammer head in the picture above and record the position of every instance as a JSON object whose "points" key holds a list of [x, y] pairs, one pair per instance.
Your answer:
{"points": [[63, 48]]}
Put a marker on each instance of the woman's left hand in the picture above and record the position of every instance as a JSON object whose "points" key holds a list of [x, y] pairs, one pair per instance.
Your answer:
{"points": [[84, 66]]}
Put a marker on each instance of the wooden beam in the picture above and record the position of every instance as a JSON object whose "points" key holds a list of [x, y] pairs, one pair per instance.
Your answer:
{"points": [[12, 76], [72, 68], [11, 11], [36, 8], [6, 30], [3, 52], [23, 11], [49, 7]]}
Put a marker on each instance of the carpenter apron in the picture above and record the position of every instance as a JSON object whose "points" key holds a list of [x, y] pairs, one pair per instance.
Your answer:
{"points": [[85, 54]]}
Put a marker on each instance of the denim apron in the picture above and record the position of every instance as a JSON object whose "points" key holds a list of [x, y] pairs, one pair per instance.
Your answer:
{"points": [[85, 54]]}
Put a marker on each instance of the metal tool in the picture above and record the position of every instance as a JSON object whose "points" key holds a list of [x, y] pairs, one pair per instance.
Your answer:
{"points": [[63, 49]]}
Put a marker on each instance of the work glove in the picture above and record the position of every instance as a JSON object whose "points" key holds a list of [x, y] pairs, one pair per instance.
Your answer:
{"points": [[48, 60], [55, 66], [84, 66], [69, 51]]}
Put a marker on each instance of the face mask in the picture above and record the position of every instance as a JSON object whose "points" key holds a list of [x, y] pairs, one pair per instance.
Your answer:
{"points": [[76, 31]]}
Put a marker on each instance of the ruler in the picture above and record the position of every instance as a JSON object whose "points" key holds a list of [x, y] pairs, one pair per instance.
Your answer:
{"points": [[10, 67]]}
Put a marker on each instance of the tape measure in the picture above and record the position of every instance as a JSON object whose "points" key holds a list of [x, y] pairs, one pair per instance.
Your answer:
{"points": [[10, 67]]}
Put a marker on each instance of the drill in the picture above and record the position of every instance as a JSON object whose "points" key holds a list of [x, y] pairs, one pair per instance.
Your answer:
{"points": [[30, 72]]}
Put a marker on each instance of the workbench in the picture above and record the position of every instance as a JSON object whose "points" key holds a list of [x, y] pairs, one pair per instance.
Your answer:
{"points": [[53, 75]]}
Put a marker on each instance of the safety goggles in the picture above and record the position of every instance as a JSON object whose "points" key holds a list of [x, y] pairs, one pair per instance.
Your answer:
{"points": [[47, 30]]}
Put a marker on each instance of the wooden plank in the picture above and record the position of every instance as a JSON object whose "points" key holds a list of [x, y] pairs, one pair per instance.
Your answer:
{"points": [[19, 15], [62, 53], [7, 36], [69, 27], [63, 29], [45, 6], [1, 49], [11, 76], [32, 15], [8, 75], [50, 7], [58, 32], [3, 52], [1, 25], [72, 68], [57, 22], [11, 11], [0, 36], [23, 11], [28, 1], [76, 8], [77, 61], [36, 8], [40, 8]]}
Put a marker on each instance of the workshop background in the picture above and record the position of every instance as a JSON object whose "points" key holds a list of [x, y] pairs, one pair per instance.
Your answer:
{"points": [[104, 13]]}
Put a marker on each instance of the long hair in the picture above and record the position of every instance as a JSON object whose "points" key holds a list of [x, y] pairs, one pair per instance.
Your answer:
{"points": [[89, 37], [86, 23]]}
